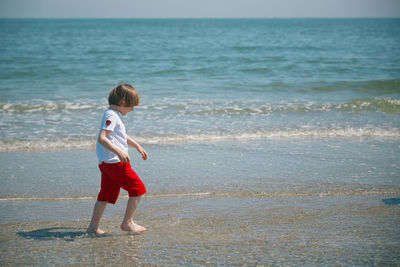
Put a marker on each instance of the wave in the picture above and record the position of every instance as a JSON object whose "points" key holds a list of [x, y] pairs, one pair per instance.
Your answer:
{"points": [[245, 48], [385, 105], [380, 86], [274, 135], [47, 106], [191, 107], [262, 70], [322, 133], [391, 86], [36, 145]]}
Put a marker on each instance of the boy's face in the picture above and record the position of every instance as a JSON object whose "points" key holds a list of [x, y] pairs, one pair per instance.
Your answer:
{"points": [[124, 110]]}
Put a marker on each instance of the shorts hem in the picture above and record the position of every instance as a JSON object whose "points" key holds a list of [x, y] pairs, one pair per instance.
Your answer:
{"points": [[108, 201], [137, 194]]}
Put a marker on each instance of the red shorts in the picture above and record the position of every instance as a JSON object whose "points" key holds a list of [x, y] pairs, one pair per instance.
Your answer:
{"points": [[117, 175]]}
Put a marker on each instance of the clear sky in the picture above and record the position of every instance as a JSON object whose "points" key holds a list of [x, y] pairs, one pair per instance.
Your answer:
{"points": [[197, 8]]}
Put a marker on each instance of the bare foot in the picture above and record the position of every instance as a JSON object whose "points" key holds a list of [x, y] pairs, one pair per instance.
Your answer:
{"points": [[96, 232], [132, 228]]}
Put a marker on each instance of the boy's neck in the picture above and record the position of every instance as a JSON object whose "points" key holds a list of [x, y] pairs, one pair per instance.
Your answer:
{"points": [[114, 107]]}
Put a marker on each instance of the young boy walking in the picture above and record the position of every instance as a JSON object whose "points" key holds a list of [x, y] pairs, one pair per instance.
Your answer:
{"points": [[114, 162]]}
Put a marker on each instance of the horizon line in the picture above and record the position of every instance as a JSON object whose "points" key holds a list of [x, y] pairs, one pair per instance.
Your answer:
{"points": [[166, 18]]}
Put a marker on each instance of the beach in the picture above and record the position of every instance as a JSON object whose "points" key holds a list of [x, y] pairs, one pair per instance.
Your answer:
{"points": [[207, 231], [270, 141], [309, 208]]}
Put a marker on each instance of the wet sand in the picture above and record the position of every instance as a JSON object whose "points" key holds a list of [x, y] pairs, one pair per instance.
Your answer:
{"points": [[234, 231], [299, 202]]}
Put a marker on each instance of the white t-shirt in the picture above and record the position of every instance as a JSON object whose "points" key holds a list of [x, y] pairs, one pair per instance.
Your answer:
{"points": [[112, 121]]}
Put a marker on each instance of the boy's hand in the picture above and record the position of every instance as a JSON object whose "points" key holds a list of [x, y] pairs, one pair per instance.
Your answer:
{"points": [[138, 147], [124, 157], [142, 152]]}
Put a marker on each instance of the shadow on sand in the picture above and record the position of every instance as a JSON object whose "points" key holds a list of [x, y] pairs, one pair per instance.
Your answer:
{"points": [[391, 201], [66, 233]]}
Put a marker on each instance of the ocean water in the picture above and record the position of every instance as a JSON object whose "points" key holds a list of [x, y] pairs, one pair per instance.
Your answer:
{"points": [[252, 79], [271, 141]]}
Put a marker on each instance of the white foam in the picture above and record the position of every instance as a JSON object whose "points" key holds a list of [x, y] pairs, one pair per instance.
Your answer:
{"points": [[34, 145], [391, 105], [331, 133], [275, 134], [46, 105]]}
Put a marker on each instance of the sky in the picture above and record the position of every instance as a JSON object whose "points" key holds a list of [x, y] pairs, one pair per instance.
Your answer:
{"points": [[198, 8]]}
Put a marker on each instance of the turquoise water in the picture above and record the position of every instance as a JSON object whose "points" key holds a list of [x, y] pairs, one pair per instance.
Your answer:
{"points": [[270, 141], [254, 79]]}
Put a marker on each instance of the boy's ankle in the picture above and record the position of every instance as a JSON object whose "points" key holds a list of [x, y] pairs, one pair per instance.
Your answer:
{"points": [[132, 227], [92, 228], [127, 222]]}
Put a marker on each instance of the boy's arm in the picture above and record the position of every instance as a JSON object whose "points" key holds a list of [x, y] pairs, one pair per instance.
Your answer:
{"points": [[103, 140], [138, 147]]}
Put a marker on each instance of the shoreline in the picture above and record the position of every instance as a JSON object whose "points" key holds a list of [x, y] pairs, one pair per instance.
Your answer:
{"points": [[333, 134], [383, 191]]}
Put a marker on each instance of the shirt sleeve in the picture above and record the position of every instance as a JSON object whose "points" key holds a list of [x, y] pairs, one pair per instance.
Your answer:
{"points": [[109, 122]]}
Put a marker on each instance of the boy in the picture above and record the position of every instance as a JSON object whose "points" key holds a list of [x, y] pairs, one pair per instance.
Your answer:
{"points": [[112, 152]]}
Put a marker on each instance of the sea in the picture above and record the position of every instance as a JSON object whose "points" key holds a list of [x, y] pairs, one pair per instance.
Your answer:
{"points": [[270, 141]]}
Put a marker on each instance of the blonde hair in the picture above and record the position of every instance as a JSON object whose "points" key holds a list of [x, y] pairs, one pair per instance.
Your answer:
{"points": [[124, 95]]}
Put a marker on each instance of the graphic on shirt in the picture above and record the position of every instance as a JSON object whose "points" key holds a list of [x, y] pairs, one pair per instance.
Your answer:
{"points": [[108, 122]]}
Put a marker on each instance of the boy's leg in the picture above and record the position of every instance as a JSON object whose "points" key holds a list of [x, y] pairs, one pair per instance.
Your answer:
{"points": [[127, 223], [98, 211]]}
